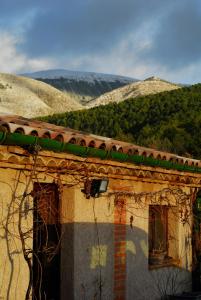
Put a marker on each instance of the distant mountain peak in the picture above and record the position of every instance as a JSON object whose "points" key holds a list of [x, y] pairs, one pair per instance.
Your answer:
{"points": [[83, 86], [77, 75], [153, 78]]}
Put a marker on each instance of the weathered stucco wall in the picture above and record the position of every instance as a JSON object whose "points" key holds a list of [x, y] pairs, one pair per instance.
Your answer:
{"points": [[104, 252], [97, 262], [143, 282], [90, 258], [14, 273]]}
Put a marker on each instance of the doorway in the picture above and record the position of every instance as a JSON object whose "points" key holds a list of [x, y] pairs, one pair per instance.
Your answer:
{"points": [[46, 242]]}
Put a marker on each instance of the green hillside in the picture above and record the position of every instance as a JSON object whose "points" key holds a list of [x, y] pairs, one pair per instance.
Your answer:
{"points": [[168, 121]]}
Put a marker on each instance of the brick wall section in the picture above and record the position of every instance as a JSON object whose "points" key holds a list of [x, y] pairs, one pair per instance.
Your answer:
{"points": [[120, 249]]}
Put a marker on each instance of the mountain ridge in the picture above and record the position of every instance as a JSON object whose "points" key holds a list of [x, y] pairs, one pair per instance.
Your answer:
{"points": [[79, 75], [151, 85], [82, 86]]}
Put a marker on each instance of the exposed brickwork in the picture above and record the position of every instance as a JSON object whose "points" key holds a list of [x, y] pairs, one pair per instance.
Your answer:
{"points": [[120, 250]]}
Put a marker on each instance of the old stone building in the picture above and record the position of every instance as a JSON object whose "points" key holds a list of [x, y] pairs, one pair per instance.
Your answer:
{"points": [[88, 217]]}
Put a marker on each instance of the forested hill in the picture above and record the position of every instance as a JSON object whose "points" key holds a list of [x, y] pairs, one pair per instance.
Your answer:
{"points": [[168, 121]]}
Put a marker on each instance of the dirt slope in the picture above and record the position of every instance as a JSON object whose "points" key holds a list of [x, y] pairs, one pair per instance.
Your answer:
{"points": [[29, 98], [152, 85]]}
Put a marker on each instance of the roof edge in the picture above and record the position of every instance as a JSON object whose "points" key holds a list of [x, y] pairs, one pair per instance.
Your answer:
{"points": [[34, 144]]}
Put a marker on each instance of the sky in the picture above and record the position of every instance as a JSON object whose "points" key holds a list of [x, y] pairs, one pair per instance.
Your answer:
{"points": [[135, 38]]}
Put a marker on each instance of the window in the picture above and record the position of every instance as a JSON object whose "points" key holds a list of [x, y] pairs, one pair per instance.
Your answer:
{"points": [[158, 234], [165, 236], [158, 223]]}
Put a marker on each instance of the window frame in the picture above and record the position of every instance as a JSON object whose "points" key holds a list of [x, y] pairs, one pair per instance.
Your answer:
{"points": [[155, 209]]}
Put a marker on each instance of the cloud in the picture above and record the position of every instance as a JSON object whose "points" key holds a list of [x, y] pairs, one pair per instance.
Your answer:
{"points": [[123, 61], [11, 61], [84, 27], [138, 38], [177, 42]]}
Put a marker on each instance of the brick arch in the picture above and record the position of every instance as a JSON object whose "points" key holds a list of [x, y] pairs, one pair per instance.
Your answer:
{"points": [[130, 151], [59, 138], [63, 164], [102, 170], [19, 130], [102, 146], [5, 127], [83, 166], [136, 151], [34, 133], [26, 160], [93, 168], [46, 135], [82, 142], [92, 144], [40, 162], [73, 166], [13, 159], [113, 148], [118, 171], [110, 170], [144, 153], [52, 163], [72, 140], [120, 149]]}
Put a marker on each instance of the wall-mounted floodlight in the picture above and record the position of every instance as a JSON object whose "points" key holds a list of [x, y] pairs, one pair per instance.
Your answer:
{"points": [[95, 187], [98, 186]]}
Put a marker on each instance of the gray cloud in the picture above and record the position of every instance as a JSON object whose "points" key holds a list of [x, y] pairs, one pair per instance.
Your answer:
{"points": [[76, 27], [177, 43], [145, 35]]}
